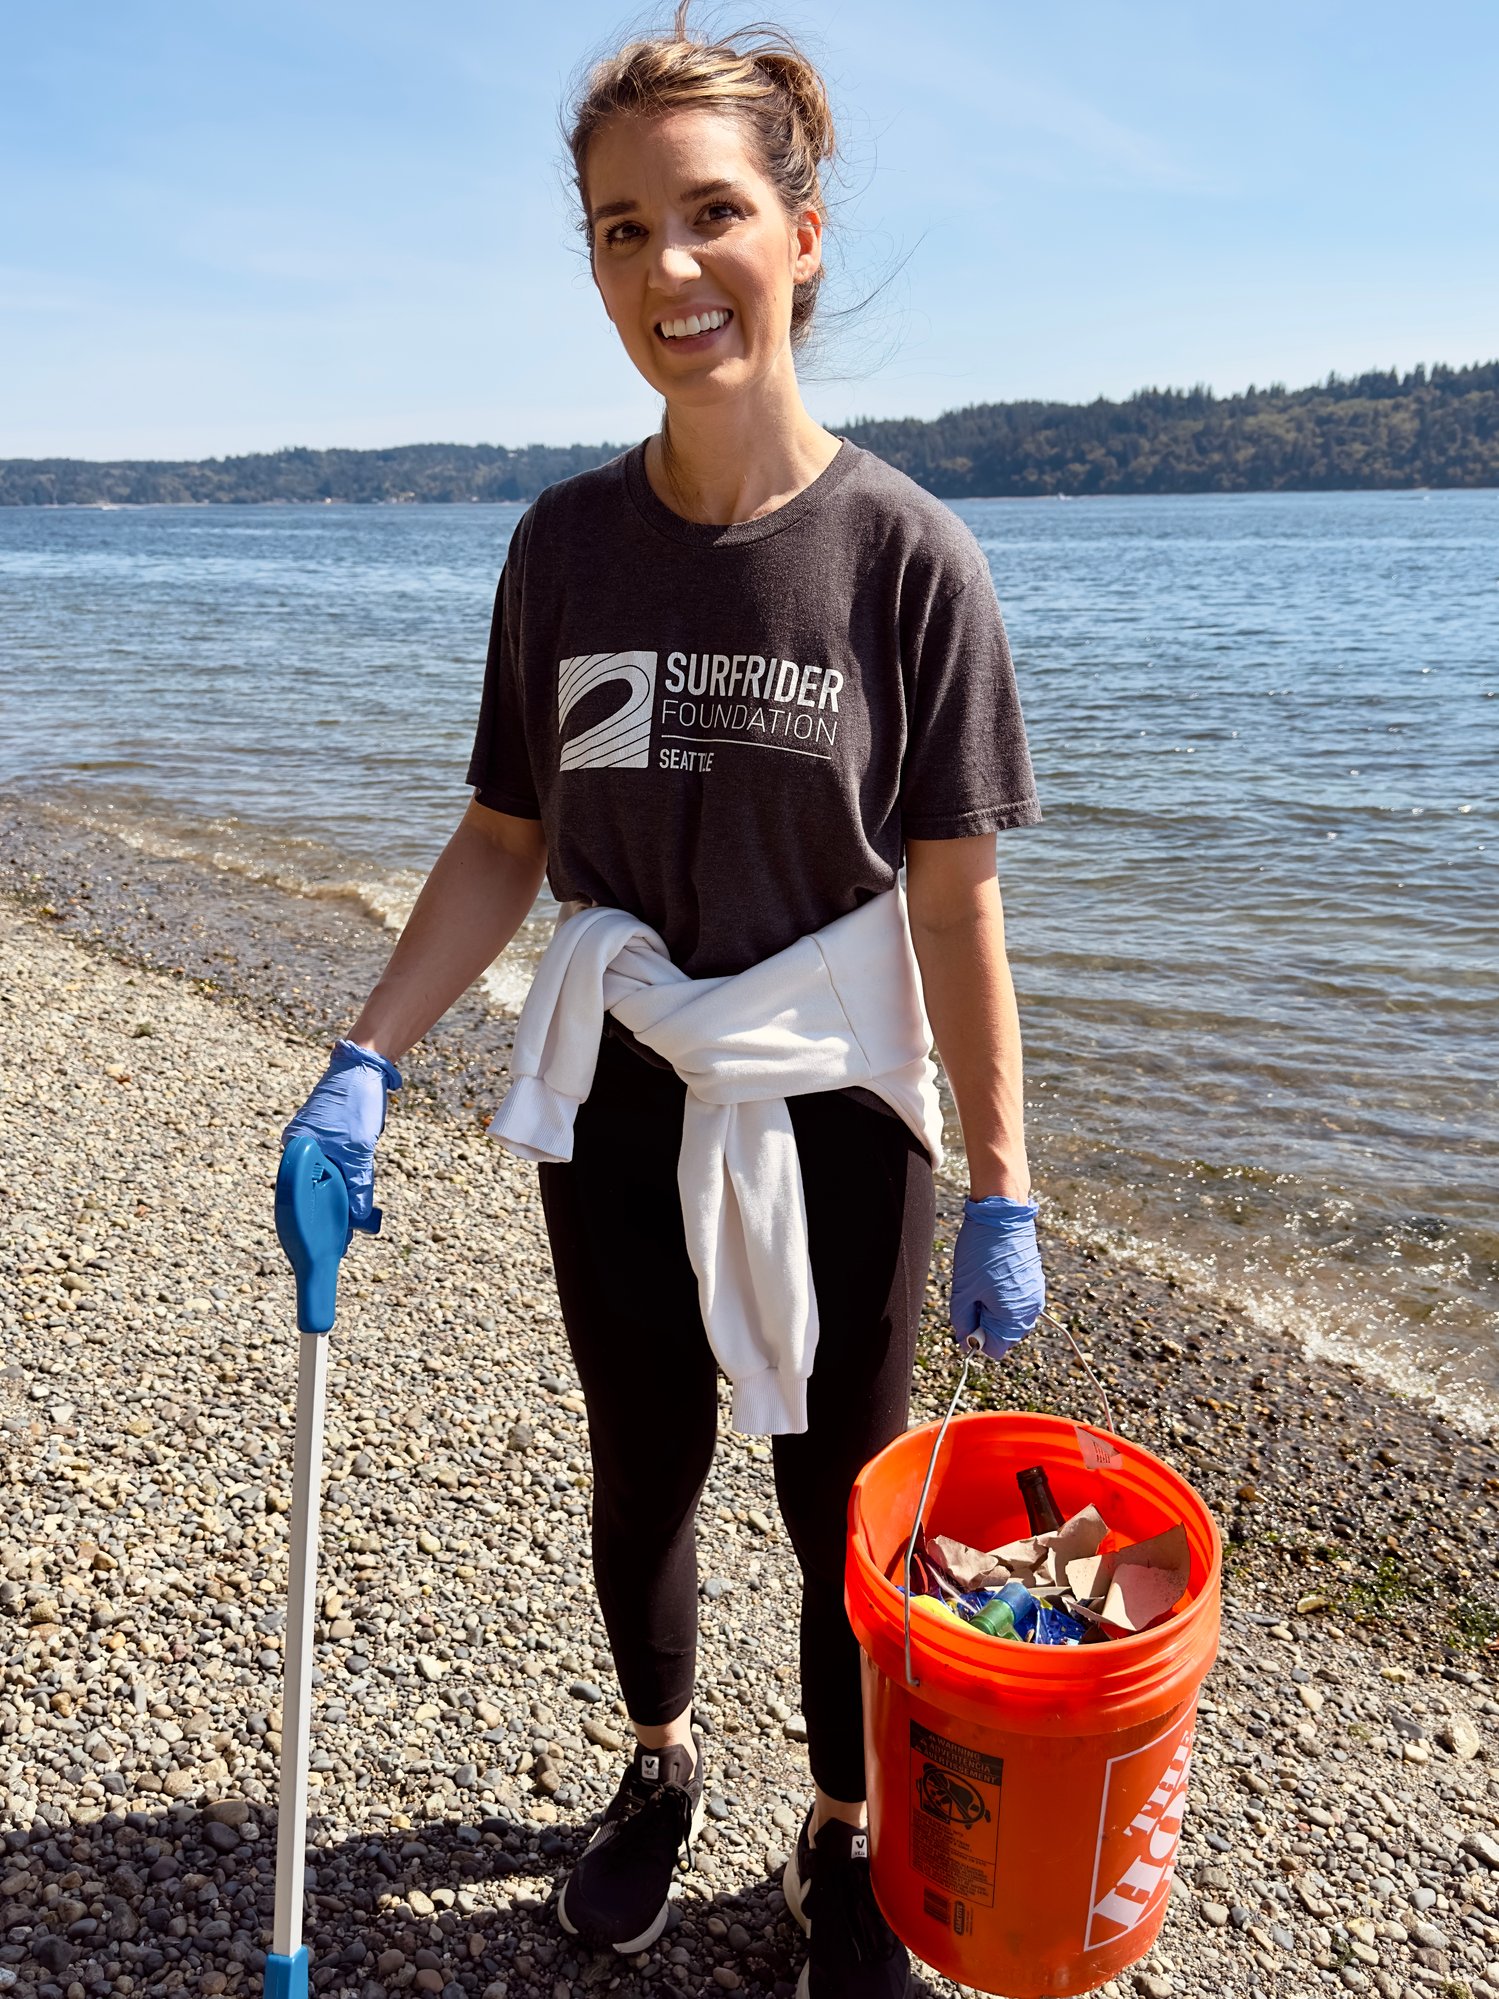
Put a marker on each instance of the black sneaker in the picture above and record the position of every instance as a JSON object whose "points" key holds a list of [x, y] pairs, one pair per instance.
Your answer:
{"points": [[618, 1895], [853, 1952]]}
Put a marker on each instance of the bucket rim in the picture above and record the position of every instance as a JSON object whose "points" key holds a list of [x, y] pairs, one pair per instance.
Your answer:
{"points": [[955, 1644]]}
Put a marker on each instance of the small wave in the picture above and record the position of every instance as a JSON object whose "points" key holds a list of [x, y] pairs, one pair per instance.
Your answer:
{"points": [[1331, 1314]]}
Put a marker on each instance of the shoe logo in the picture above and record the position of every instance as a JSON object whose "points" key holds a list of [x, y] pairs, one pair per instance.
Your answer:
{"points": [[650, 1769], [622, 741], [860, 1848]]}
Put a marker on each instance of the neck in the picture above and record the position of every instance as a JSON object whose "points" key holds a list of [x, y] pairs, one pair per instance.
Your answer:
{"points": [[739, 458]]}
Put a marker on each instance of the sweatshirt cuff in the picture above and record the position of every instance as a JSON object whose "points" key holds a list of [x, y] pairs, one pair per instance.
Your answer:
{"points": [[535, 1122], [770, 1404]]}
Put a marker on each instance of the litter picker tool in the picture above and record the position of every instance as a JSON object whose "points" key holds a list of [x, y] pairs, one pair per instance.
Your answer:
{"points": [[312, 1221]]}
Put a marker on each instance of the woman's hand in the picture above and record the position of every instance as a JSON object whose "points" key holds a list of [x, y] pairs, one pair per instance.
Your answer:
{"points": [[346, 1114], [998, 1289]]}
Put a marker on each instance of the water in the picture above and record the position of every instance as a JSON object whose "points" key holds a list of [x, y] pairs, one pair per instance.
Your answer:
{"points": [[1256, 940]]}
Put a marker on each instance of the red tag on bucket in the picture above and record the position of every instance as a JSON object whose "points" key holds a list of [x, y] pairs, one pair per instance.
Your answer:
{"points": [[1098, 1453]]}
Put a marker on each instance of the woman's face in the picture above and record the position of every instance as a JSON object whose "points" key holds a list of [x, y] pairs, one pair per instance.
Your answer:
{"points": [[684, 225]]}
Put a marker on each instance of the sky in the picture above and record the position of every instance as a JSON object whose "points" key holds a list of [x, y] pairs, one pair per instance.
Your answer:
{"points": [[230, 228]]}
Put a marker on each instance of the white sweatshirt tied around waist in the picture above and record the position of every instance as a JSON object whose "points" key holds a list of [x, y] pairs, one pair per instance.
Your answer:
{"points": [[840, 1006]]}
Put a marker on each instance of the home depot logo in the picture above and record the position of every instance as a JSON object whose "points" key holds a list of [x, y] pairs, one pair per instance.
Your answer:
{"points": [[1139, 1824]]}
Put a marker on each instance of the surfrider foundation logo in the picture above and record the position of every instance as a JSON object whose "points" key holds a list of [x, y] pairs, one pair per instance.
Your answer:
{"points": [[622, 741]]}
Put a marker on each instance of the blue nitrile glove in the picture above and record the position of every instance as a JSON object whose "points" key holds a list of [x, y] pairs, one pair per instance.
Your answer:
{"points": [[997, 1286], [346, 1114]]}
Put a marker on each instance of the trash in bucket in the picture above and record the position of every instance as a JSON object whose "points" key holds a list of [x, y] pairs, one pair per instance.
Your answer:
{"points": [[1077, 1583], [1026, 1799]]}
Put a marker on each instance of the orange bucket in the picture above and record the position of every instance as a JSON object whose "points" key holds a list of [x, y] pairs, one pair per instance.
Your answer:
{"points": [[1025, 1801]]}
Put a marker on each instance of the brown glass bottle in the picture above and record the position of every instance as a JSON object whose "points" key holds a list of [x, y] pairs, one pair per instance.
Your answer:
{"points": [[1041, 1508]]}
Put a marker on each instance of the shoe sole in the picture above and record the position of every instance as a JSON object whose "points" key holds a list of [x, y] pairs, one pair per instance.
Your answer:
{"points": [[647, 1936], [796, 1896]]}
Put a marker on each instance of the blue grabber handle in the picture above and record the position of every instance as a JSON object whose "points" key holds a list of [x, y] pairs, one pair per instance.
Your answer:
{"points": [[312, 1221]]}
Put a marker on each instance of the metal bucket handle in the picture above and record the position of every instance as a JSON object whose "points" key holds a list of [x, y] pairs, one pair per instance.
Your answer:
{"points": [[973, 1349]]}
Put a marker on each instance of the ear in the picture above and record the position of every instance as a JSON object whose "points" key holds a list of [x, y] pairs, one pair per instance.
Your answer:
{"points": [[806, 245]]}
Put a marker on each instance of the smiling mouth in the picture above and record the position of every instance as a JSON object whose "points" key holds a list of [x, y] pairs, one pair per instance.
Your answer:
{"points": [[695, 330]]}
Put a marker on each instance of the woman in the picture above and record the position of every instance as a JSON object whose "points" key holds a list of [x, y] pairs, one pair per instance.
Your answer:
{"points": [[736, 678]]}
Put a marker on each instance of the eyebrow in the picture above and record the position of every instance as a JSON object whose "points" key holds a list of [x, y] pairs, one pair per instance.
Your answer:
{"points": [[608, 209]]}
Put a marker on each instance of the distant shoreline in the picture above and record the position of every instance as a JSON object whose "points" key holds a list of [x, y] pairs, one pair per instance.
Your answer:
{"points": [[1371, 433], [994, 499]]}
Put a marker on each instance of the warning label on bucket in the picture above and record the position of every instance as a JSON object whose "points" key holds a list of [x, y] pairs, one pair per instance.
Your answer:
{"points": [[1139, 1824], [954, 1815]]}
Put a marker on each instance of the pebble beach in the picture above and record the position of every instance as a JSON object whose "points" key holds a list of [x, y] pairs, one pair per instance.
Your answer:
{"points": [[158, 1025]]}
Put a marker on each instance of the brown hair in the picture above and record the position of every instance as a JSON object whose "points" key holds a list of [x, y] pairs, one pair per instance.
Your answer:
{"points": [[758, 74]]}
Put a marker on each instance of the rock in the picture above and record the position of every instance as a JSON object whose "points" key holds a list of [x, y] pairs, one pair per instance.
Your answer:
{"points": [[1460, 1736], [222, 1838], [726, 1976], [228, 1811], [1429, 1936], [1416, 1752], [585, 1690], [489, 1714], [1152, 1985], [761, 1522], [389, 1962], [428, 1542], [718, 1808], [430, 1668], [606, 1738], [1483, 1848], [420, 1903], [794, 1728], [1306, 1604], [1214, 1913], [1312, 1699]]}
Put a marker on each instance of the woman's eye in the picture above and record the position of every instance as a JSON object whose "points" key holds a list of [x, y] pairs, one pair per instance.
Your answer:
{"points": [[616, 233], [721, 209]]}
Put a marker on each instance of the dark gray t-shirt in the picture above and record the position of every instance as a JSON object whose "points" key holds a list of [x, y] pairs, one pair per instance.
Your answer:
{"points": [[732, 731]]}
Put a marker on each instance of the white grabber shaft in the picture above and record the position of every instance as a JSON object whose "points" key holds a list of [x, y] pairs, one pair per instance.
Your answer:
{"points": [[296, 1693]]}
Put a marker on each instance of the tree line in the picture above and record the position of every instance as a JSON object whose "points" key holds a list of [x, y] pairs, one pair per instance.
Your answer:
{"points": [[1382, 429]]}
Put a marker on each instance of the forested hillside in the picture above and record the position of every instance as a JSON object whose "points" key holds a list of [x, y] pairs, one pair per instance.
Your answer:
{"points": [[1420, 429]]}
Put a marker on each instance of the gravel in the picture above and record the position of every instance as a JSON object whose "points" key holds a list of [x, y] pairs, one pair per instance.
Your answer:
{"points": [[468, 1724]]}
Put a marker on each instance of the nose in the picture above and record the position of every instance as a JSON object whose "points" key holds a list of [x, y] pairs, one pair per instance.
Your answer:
{"points": [[676, 261]]}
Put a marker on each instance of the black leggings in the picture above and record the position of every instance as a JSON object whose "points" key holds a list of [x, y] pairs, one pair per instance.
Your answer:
{"points": [[629, 1302]]}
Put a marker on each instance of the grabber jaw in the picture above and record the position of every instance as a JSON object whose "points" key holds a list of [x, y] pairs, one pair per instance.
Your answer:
{"points": [[286, 1977], [312, 1221]]}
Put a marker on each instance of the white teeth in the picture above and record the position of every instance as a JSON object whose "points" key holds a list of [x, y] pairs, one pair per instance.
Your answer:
{"points": [[680, 329]]}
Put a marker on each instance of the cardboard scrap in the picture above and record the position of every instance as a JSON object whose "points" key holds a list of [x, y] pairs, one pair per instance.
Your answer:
{"points": [[1077, 1538], [1090, 1577], [1114, 1594], [1148, 1580], [968, 1568]]}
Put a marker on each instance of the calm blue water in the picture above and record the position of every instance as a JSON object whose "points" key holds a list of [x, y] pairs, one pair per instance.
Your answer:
{"points": [[1257, 939]]}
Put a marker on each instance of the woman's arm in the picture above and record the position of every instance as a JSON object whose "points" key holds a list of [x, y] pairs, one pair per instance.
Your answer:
{"points": [[471, 905], [958, 929]]}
